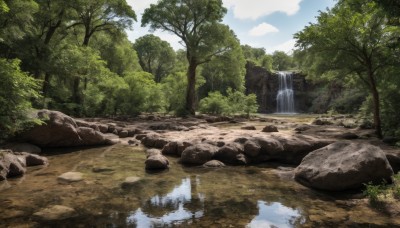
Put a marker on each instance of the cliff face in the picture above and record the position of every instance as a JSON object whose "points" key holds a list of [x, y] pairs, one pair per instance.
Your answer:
{"points": [[266, 85]]}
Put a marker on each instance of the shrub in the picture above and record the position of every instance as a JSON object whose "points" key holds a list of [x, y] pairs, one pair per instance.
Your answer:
{"points": [[215, 103], [17, 88]]}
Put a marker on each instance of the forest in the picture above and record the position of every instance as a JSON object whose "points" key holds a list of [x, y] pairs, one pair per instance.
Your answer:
{"points": [[75, 57]]}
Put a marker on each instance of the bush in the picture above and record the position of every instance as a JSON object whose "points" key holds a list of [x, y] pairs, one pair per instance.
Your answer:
{"points": [[235, 103], [215, 103], [17, 88]]}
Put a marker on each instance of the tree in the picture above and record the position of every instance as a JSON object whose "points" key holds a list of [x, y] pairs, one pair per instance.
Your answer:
{"points": [[350, 40], [155, 56], [102, 15], [196, 23], [224, 71], [281, 61]]}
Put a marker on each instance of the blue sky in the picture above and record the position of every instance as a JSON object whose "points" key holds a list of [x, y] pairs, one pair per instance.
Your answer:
{"points": [[269, 24]]}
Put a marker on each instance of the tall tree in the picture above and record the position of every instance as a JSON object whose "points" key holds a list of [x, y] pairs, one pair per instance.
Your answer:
{"points": [[196, 23], [155, 56], [350, 40], [111, 16]]}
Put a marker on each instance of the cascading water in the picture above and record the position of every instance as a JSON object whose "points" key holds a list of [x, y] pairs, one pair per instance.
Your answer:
{"points": [[285, 98]]}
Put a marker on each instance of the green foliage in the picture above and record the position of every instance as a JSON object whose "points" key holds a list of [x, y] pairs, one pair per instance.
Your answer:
{"points": [[236, 102], [215, 103], [155, 56], [224, 71], [282, 61], [16, 90], [142, 94], [373, 191]]}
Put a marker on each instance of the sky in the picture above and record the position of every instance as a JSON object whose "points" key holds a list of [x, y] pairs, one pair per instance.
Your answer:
{"points": [[268, 24]]}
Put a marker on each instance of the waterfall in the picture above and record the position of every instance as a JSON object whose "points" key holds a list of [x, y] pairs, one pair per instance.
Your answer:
{"points": [[285, 98]]}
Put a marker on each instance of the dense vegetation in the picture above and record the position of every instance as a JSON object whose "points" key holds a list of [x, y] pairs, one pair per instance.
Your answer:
{"points": [[74, 56]]}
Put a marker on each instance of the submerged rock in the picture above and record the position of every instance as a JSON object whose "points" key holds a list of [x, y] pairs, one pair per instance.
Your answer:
{"points": [[343, 165], [130, 181], [214, 164], [56, 212], [70, 177]]}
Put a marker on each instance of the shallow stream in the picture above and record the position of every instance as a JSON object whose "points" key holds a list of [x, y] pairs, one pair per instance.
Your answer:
{"points": [[254, 196]]}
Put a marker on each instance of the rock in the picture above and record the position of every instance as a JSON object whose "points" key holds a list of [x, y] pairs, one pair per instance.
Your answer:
{"points": [[214, 164], [198, 154], [10, 165], [393, 156], [56, 212], [154, 140], [60, 130], [348, 135], [343, 165], [303, 127], [130, 182], [229, 153], [390, 140], [322, 122], [157, 162], [152, 152], [270, 128], [102, 169], [133, 142], [123, 134], [251, 148], [103, 128], [248, 127], [23, 147], [295, 148], [70, 177], [175, 147], [34, 160]]}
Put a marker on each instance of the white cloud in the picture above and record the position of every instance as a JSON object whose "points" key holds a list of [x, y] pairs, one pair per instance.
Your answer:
{"points": [[287, 46], [262, 29], [254, 9]]}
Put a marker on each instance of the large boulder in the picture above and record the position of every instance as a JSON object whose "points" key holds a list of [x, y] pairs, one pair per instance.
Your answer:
{"points": [[175, 147], [60, 130], [343, 165], [198, 154]]}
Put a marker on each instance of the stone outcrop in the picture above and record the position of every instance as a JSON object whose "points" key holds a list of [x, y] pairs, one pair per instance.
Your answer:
{"points": [[343, 165], [60, 130]]}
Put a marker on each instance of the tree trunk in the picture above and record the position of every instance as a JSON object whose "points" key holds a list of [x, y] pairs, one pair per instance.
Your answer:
{"points": [[376, 103], [191, 87]]}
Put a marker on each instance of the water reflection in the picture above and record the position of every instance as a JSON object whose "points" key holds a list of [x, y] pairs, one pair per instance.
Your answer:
{"points": [[276, 215], [176, 206]]}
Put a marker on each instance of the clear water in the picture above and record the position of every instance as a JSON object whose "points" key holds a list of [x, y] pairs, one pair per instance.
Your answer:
{"points": [[285, 96], [254, 196]]}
